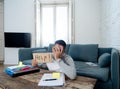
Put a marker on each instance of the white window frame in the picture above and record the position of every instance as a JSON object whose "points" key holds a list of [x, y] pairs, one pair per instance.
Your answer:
{"points": [[39, 3]]}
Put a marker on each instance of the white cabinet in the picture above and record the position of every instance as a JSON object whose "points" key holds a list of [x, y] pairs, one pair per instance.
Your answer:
{"points": [[1, 33]]}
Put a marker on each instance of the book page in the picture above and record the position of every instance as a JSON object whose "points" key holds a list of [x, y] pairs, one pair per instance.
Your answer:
{"points": [[91, 64], [58, 82]]}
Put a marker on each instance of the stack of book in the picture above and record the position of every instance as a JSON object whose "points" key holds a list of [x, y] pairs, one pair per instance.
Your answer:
{"points": [[14, 71]]}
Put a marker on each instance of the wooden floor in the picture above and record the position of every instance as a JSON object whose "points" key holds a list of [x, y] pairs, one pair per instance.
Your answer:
{"points": [[2, 67]]}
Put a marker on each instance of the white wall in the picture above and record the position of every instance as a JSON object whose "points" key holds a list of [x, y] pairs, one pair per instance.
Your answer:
{"points": [[18, 17], [1, 32], [110, 25], [87, 21]]}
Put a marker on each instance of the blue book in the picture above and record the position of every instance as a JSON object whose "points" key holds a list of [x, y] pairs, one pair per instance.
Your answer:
{"points": [[14, 71]]}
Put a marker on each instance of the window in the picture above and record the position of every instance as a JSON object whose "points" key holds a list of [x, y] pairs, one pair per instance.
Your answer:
{"points": [[53, 22]]}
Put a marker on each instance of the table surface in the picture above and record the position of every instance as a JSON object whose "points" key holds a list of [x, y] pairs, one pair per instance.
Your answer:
{"points": [[80, 82]]}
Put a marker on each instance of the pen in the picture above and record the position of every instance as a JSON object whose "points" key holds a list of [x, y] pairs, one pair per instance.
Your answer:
{"points": [[49, 79]]}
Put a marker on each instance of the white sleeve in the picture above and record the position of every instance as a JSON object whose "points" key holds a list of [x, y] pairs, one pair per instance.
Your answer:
{"points": [[68, 68]]}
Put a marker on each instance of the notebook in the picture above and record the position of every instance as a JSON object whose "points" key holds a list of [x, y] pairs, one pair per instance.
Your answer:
{"points": [[48, 80]]}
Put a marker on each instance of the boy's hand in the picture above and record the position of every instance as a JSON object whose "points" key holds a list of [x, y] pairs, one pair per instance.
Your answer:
{"points": [[57, 51], [34, 62]]}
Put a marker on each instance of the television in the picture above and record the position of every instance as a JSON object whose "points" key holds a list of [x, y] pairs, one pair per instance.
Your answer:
{"points": [[13, 39]]}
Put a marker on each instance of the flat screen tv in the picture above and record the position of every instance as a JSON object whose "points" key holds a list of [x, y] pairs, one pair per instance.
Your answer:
{"points": [[13, 39]]}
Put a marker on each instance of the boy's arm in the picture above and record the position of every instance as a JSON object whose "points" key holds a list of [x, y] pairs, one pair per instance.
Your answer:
{"points": [[68, 68]]}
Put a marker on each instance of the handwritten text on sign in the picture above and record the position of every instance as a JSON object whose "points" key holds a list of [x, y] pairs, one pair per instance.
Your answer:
{"points": [[42, 57]]}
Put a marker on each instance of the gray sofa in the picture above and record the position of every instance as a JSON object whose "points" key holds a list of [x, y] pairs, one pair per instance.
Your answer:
{"points": [[90, 61]]}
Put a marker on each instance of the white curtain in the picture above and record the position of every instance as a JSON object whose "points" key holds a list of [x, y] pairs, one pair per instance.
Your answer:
{"points": [[53, 21]]}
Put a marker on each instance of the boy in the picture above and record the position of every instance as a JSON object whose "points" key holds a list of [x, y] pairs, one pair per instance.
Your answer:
{"points": [[64, 62]]}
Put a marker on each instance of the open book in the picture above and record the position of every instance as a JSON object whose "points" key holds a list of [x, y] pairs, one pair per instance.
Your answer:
{"points": [[48, 80]]}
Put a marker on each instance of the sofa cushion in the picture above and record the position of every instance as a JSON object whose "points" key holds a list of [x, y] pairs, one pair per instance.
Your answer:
{"points": [[104, 60], [87, 52], [39, 50], [27, 62], [50, 47], [83, 69]]}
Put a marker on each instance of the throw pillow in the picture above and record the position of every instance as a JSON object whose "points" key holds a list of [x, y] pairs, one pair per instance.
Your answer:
{"points": [[104, 60]]}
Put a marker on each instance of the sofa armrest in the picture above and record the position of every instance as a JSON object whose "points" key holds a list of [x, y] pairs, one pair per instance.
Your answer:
{"points": [[115, 68], [26, 53]]}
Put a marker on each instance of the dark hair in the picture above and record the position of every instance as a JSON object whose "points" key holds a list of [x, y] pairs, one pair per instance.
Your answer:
{"points": [[61, 42]]}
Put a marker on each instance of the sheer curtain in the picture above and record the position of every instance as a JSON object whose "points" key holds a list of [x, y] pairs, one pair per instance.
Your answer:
{"points": [[53, 22]]}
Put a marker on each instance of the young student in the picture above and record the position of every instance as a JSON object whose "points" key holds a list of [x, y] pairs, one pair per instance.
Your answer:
{"points": [[64, 62]]}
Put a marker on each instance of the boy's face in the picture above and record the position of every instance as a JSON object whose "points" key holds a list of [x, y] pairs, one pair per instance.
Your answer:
{"points": [[58, 47]]}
